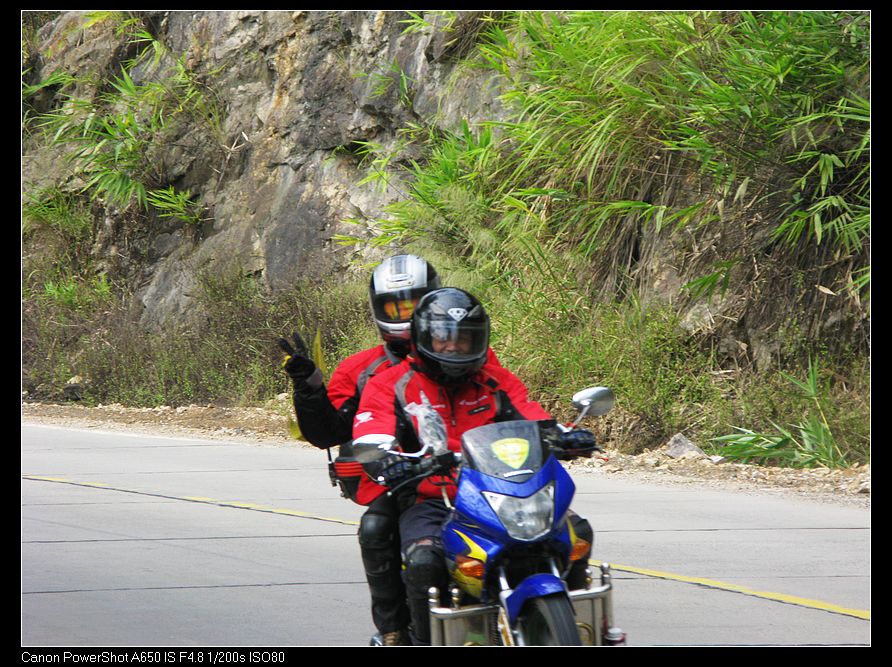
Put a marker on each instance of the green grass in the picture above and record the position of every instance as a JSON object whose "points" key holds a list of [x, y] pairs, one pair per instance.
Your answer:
{"points": [[737, 125], [808, 443], [231, 355]]}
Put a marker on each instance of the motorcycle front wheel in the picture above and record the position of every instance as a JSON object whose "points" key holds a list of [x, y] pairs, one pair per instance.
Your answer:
{"points": [[549, 621]]}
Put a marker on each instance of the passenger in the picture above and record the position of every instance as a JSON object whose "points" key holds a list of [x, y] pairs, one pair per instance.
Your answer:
{"points": [[325, 416]]}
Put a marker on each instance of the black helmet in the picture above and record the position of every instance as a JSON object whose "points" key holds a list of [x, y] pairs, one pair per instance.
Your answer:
{"points": [[395, 287], [450, 335]]}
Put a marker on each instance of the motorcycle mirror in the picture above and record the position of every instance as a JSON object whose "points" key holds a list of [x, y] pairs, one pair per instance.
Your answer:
{"points": [[594, 401], [372, 447]]}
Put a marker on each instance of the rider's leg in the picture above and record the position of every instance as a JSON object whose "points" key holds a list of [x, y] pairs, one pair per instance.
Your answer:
{"points": [[379, 544], [420, 528]]}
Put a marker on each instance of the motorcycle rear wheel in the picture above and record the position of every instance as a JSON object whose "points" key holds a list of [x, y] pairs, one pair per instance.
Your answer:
{"points": [[549, 621]]}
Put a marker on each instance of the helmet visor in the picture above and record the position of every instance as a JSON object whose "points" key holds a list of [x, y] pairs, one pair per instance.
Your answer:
{"points": [[396, 307], [399, 311], [453, 341]]}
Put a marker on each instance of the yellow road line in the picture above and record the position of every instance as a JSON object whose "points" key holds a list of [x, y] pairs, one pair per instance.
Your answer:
{"points": [[709, 583], [197, 499], [768, 595]]}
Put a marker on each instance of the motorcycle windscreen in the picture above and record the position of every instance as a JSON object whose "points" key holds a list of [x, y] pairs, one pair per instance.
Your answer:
{"points": [[511, 450]]}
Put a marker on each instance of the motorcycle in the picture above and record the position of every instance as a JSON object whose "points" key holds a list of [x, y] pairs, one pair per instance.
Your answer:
{"points": [[508, 541]]}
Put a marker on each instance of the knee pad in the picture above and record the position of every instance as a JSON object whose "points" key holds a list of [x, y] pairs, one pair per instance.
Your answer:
{"points": [[377, 531], [424, 568]]}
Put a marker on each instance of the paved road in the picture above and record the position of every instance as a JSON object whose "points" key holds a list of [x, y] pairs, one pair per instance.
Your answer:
{"points": [[149, 541]]}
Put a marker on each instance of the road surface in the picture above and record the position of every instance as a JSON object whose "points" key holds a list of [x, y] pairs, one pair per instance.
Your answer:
{"points": [[131, 540]]}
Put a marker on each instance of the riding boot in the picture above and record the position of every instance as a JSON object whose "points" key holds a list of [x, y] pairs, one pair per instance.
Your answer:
{"points": [[424, 569]]}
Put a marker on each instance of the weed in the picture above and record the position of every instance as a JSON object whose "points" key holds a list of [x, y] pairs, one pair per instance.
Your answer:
{"points": [[173, 203], [112, 140], [59, 210], [806, 444]]}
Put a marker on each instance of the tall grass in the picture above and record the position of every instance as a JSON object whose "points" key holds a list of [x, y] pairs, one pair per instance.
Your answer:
{"points": [[667, 120], [745, 125], [228, 354], [768, 106], [807, 444]]}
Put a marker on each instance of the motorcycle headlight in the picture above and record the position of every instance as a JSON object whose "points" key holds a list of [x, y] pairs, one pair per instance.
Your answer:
{"points": [[524, 518]]}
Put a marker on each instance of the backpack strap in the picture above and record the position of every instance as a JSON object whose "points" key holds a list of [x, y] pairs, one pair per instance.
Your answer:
{"points": [[370, 371], [399, 389], [498, 395], [403, 416]]}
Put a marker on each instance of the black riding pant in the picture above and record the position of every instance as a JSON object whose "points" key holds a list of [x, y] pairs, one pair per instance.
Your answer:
{"points": [[380, 547], [421, 526]]}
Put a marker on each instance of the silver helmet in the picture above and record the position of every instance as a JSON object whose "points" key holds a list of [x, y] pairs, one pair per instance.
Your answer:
{"points": [[395, 287]]}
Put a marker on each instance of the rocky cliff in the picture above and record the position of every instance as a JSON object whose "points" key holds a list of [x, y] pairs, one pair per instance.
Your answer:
{"points": [[296, 97]]}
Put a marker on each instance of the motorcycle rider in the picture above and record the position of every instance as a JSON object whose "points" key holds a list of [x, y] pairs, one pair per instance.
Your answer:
{"points": [[448, 366], [325, 417]]}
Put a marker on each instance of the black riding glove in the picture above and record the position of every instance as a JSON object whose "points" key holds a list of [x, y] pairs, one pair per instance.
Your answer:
{"points": [[297, 364], [575, 443], [391, 470]]}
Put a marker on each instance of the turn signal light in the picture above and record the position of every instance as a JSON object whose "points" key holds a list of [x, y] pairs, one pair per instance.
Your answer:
{"points": [[580, 549], [470, 567]]}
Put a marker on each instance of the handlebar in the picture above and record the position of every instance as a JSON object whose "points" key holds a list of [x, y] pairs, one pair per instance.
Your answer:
{"points": [[438, 464], [423, 463]]}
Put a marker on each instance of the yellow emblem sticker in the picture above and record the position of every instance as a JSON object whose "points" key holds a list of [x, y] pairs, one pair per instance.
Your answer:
{"points": [[512, 451]]}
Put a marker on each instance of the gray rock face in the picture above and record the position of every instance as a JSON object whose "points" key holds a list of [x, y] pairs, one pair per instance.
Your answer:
{"points": [[294, 91]]}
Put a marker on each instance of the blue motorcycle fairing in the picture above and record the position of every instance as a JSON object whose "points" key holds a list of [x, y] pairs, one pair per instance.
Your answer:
{"points": [[470, 502], [463, 539], [563, 537], [474, 529], [455, 544], [534, 586]]}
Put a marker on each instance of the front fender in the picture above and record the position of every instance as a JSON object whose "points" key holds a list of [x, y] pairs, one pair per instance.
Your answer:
{"points": [[534, 586]]}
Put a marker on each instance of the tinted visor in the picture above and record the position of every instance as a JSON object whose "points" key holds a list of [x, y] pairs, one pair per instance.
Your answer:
{"points": [[453, 341], [397, 307]]}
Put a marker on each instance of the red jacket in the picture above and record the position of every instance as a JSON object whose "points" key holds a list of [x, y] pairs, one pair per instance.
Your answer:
{"points": [[493, 394], [351, 375], [325, 414]]}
